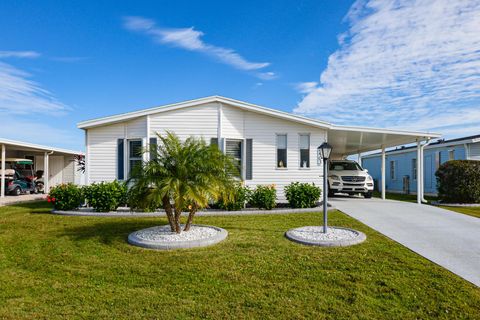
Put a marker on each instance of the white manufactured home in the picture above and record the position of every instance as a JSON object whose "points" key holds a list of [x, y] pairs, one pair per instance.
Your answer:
{"points": [[273, 147]]}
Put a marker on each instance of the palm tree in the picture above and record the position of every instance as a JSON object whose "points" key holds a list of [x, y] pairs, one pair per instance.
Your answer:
{"points": [[184, 175]]}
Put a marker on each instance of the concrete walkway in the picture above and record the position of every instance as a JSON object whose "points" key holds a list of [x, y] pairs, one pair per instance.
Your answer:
{"points": [[8, 200], [447, 238]]}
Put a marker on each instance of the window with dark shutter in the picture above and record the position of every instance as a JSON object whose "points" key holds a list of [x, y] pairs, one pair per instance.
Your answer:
{"points": [[120, 159], [249, 159], [153, 148]]}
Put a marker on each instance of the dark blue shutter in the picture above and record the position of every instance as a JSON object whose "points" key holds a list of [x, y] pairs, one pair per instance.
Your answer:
{"points": [[120, 159], [249, 159], [153, 148]]}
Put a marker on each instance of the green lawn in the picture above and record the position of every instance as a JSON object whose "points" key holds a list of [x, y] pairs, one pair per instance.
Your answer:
{"points": [[471, 211], [402, 197], [81, 267]]}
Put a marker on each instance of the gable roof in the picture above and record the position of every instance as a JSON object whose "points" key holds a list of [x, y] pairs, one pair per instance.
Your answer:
{"points": [[343, 133], [190, 103]]}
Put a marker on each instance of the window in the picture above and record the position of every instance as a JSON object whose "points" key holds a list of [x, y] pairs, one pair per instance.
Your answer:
{"points": [[438, 159], [134, 154], [233, 148], [281, 150], [414, 169], [451, 155], [392, 170], [304, 150]]}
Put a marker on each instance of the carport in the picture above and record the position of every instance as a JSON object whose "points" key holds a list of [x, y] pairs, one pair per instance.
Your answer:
{"points": [[59, 165], [348, 141]]}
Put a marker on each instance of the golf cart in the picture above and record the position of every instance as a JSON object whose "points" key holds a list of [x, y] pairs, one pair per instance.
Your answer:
{"points": [[20, 177]]}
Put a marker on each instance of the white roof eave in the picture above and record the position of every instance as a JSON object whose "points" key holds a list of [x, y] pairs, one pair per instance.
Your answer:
{"points": [[38, 147]]}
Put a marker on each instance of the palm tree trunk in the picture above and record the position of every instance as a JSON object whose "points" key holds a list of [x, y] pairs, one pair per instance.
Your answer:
{"points": [[191, 213], [178, 213], [168, 210]]}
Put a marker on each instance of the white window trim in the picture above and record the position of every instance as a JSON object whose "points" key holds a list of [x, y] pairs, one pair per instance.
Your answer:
{"points": [[309, 150], [276, 150]]}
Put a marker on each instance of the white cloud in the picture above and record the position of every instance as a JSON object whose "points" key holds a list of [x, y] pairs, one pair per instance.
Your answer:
{"points": [[306, 87], [19, 54], [407, 64], [191, 39], [21, 95]]}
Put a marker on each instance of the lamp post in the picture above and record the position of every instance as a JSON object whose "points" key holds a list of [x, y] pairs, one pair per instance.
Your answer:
{"points": [[323, 153]]}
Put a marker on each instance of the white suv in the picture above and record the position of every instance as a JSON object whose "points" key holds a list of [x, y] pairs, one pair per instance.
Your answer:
{"points": [[346, 176]]}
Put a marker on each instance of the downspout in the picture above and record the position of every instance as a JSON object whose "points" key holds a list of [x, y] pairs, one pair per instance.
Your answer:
{"points": [[46, 165]]}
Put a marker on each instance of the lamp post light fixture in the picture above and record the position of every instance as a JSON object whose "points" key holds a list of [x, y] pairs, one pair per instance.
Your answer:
{"points": [[323, 153]]}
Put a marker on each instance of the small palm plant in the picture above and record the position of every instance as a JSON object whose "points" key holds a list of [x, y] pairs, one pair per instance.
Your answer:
{"points": [[184, 175]]}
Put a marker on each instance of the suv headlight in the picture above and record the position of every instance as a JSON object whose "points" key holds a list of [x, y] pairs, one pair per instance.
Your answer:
{"points": [[369, 178], [334, 177]]}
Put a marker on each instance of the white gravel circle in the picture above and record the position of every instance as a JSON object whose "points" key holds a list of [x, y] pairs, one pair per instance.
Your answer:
{"points": [[162, 238], [335, 236]]}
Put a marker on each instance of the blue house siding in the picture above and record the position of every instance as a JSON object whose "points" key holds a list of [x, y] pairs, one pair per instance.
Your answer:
{"points": [[403, 166]]}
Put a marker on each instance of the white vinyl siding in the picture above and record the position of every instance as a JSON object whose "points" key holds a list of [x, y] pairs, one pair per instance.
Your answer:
{"points": [[102, 152], [201, 121], [69, 169]]}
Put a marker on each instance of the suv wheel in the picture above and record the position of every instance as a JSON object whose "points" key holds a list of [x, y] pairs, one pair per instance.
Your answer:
{"points": [[368, 195]]}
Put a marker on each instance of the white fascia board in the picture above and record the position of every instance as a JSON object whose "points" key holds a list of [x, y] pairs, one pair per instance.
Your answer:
{"points": [[425, 135], [38, 146]]}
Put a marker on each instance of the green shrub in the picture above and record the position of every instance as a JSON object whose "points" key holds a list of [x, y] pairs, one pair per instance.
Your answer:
{"points": [[458, 181], [66, 196], [106, 196], [142, 199], [264, 197], [241, 195], [302, 195]]}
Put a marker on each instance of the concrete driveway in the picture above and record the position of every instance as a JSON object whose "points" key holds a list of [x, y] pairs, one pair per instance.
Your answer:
{"points": [[447, 238]]}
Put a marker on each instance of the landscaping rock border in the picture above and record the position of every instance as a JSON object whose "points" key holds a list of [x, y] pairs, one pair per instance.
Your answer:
{"points": [[135, 239], [466, 205], [290, 234], [125, 212]]}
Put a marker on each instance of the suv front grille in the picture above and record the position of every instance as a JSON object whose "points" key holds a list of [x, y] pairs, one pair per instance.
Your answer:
{"points": [[353, 178]]}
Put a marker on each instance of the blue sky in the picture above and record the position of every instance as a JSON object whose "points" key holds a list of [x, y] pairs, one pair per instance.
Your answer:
{"points": [[413, 65]]}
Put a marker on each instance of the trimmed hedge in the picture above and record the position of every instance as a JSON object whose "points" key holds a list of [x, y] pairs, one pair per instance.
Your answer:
{"points": [[458, 181], [302, 195], [106, 196], [66, 197], [264, 197]]}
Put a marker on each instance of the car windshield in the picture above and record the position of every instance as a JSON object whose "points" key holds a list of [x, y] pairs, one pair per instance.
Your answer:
{"points": [[346, 165]]}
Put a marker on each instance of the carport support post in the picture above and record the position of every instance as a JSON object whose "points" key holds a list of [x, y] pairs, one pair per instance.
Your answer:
{"points": [[46, 183], [2, 190], [383, 173], [419, 172]]}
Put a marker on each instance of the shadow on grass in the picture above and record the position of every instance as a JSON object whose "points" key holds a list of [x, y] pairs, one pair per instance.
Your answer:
{"points": [[108, 232]]}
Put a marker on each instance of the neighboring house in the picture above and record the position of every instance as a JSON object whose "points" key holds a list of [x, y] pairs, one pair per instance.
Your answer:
{"points": [[401, 163], [61, 166], [271, 146]]}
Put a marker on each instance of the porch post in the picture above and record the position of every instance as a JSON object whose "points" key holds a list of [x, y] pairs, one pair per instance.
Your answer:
{"points": [[383, 173], [419, 172], [422, 186], [2, 189], [46, 182]]}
